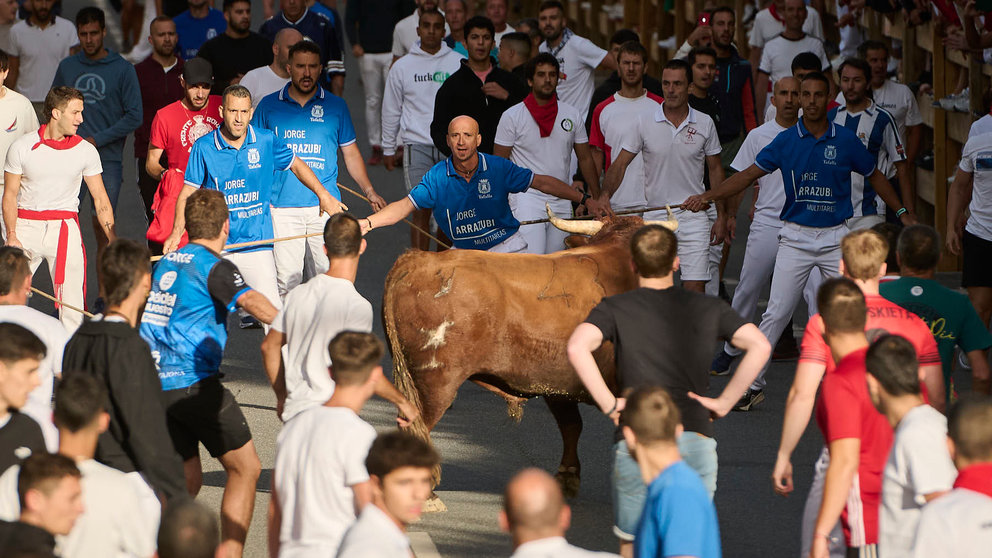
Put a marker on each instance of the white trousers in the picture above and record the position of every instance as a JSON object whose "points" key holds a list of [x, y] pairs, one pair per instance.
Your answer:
{"points": [[289, 255], [542, 238], [800, 250], [40, 240], [374, 69], [258, 269], [837, 544]]}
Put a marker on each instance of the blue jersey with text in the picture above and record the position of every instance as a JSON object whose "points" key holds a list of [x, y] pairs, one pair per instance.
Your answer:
{"points": [[816, 173], [245, 176], [185, 317], [878, 132], [193, 32], [474, 214], [314, 132]]}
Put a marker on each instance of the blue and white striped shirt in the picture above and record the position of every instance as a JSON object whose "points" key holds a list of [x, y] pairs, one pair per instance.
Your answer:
{"points": [[878, 131]]}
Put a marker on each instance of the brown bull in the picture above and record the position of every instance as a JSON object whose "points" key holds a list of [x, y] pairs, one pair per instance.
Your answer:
{"points": [[502, 321]]}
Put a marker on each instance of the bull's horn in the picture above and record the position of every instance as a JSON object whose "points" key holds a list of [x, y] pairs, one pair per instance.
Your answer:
{"points": [[575, 227], [671, 224]]}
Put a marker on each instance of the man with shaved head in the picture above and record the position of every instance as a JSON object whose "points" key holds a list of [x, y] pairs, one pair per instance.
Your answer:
{"points": [[536, 516], [469, 194], [266, 80]]}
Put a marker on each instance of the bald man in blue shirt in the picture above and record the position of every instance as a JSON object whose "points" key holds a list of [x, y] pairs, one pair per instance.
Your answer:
{"points": [[816, 158]]}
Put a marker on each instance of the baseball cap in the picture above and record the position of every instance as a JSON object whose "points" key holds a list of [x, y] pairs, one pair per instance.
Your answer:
{"points": [[198, 70]]}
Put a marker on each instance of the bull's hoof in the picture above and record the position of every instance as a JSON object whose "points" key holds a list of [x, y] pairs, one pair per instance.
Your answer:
{"points": [[434, 504], [568, 480]]}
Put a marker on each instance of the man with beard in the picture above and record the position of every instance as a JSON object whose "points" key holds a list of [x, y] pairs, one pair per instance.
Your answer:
{"points": [[36, 44], [174, 130], [267, 80], [294, 14], [314, 124], [405, 32], [238, 50], [731, 86], [614, 83]]}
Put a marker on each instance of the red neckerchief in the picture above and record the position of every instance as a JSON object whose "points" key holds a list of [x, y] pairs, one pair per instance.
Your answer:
{"points": [[67, 142], [544, 116], [774, 12], [976, 477]]}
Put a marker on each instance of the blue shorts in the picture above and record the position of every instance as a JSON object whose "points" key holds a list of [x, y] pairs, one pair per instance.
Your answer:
{"points": [[630, 492]]}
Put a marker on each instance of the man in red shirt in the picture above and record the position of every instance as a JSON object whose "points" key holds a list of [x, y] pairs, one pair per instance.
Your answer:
{"points": [[863, 261], [174, 130], [858, 437]]}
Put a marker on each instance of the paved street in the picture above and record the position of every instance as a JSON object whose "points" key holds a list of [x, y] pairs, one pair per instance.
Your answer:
{"points": [[481, 445]]}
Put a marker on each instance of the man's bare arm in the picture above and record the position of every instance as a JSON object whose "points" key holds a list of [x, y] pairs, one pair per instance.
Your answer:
{"points": [[355, 164], [153, 165], [389, 215], [258, 306], [274, 366], [12, 186], [757, 350], [327, 202], [618, 168], [798, 410], [104, 211], [590, 172]]}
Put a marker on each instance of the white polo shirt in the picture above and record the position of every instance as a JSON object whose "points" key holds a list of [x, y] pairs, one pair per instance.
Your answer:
{"points": [[899, 100], [40, 51], [956, 525], [776, 58], [918, 464], [579, 58], [674, 157], [550, 155], [981, 126], [375, 535], [766, 27], [771, 188], [17, 118], [51, 178], [611, 122], [976, 158], [320, 455]]}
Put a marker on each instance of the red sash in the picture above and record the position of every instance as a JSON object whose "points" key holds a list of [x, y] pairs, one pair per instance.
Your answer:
{"points": [[63, 247]]}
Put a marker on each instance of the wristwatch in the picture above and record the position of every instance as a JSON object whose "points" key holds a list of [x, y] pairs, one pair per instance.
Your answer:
{"points": [[585, 196]]}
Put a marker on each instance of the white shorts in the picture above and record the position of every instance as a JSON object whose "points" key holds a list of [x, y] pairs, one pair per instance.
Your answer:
{"points": [[694, 240]]}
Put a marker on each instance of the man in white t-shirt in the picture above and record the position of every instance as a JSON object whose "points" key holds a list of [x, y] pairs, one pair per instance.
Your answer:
{"points": [[320, 483], [919, 468], [399, 467], [41, 198], [541, 134], [677, 142], [496, 12], [959, 524], [405, 33], [313, 314], [16, 113], [112, 522], [611, 121], [269, 79], [769, 22], [15, 286], [778, 53], [37, 46], [8, 18], [579, 57]]}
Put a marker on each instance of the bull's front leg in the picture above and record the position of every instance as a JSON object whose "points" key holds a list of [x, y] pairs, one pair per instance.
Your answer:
{"points": [[566, 413]]}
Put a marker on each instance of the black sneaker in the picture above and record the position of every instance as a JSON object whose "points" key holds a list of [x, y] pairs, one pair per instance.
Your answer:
{"points": [[751, 398], [721, 364], [249, 322]]}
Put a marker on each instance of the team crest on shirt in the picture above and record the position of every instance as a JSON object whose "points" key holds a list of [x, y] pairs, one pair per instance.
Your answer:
{"points": [[484, 189], [211, 33], [167, 280], [567, 124], [317, 114], [690, 135], [830, 152], [196, 128], [254, 158]]}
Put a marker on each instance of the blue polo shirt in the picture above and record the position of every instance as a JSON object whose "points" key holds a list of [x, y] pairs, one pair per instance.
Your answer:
{"points": [[314, 132], [474, 214], [245, 176], [816, 173]]}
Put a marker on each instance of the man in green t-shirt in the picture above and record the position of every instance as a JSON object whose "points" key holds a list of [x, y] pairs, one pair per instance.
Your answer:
{"points": [[950, 314]]}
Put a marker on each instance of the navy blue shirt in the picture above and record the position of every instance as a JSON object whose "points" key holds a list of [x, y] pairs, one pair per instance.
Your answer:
{"points": [[816, 173], [245, 177], [193, 32], [474, 214], [314, 132], [315, 27]]}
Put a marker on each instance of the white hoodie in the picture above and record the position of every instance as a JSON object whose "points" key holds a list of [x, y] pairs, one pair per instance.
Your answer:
{"points": [[408, 103]]}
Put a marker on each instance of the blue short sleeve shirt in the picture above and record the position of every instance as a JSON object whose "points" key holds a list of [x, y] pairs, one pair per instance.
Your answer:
{"points": [[192, 32], [475, 214], [314, 132], [245, 176], [816, 173], [678, 518]]}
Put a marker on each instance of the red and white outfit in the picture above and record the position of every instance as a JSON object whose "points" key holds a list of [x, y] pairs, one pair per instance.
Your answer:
{"points": [[611, 121], [174, 130], [843, 411], [48, 211], [882, 315]]}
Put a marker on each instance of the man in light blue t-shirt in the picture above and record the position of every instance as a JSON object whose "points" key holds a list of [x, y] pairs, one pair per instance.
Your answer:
{"points": [[469, 195], [678, 518]]}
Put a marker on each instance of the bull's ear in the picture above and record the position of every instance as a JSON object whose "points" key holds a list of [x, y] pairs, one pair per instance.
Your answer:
{"points": [[576, 240]]}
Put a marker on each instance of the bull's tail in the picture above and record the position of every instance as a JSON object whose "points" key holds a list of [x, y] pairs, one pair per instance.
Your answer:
{"points": [[401, 374]]}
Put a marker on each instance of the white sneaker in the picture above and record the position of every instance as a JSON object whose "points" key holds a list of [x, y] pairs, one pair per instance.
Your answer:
{"points": [[963, 101]]}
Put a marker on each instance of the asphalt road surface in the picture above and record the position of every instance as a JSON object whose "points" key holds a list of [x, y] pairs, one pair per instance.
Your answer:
{"points": [[481, 446]]}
